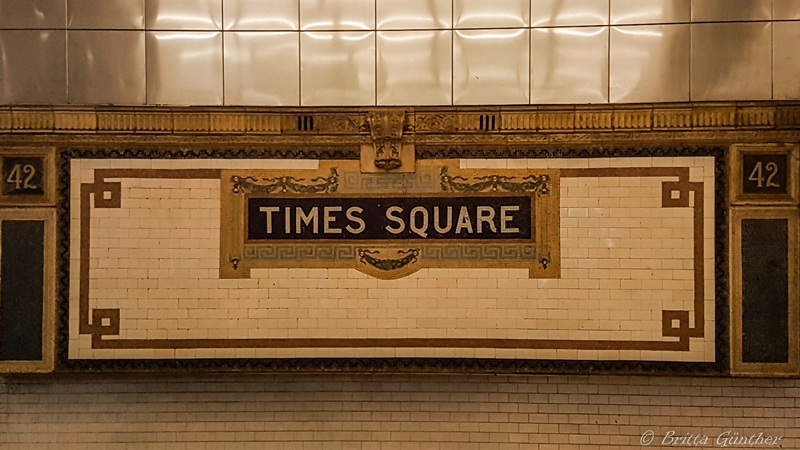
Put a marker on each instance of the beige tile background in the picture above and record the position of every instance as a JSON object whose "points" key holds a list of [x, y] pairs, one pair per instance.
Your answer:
{"points": [[624, 260]]}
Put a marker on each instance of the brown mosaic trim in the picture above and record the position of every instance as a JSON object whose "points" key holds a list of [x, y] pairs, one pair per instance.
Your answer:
{"points": [[683, 331], [520, 344], [183, 174], [272, 121], [621, 172]]}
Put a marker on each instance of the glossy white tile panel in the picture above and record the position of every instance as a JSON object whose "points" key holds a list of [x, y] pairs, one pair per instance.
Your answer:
{"points": [[729, 10], [33, 67], [106, 67], [100, 14], [262, 68], [337, 68], [548, 13], [184, 68], [33, 13], [183, 14], [261, 15], [491, 66], [786, 70], [786, 9], [491, 14], [337, 15], [649, 63], [731, 61], [414, 14], [650, 11], [414, 67], [569, 65]]}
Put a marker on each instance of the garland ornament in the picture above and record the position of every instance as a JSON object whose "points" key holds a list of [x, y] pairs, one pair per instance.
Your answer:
{"points": [[386, 265], [539, 184], [284, 185]]}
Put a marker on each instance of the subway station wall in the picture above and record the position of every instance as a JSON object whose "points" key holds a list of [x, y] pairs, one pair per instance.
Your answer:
{"points": [[384, 52], [160, 270]]}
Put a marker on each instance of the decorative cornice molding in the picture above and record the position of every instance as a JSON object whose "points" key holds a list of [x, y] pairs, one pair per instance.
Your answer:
{"points": [[420, 121]]}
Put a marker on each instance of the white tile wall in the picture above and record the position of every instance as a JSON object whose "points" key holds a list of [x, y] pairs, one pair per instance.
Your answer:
{"points": [[747, 53], [391, 412]]}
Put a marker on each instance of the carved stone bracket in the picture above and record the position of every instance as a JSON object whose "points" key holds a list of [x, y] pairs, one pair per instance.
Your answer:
{"points": [[387, 152]]}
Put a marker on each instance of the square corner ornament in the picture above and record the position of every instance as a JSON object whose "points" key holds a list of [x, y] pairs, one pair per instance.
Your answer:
{"points": [[390, 225]]}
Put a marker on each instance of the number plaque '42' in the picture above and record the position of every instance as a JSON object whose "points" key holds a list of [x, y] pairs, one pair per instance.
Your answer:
{"points": [[23, 176], [764, 173]]}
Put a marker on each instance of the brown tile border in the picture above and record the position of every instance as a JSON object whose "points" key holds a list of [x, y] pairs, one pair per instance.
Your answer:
{"points": [[683, 331]]}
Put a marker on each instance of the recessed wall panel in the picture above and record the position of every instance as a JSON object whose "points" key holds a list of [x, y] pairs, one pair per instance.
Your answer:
{"points": [[649, 63], [261, 15], [33, 67], [262, 68], [548, 13], [650, 11], [569, 65], [494, 14], [183, 14], [104, 14], [414, 67], [33, 13], [786, 60], [491, 66], [337, 15], [184, 68], [106, 67], [414, 14], [337, 68], [731, 61]]}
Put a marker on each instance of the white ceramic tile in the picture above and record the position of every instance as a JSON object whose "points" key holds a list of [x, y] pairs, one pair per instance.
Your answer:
{"points": [[494, 14], [337, 15], [569, 65], [731, 61], [184, 68], [786, 61], [337, 68], [262, 68], [414, 68], [649, 63], [261, 15], [414, 14], [183, 15], [650, 12], [491, 66], [549, 13]]}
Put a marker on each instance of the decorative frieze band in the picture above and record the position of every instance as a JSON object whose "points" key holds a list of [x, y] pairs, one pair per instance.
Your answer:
{"points": [[701, 116]]}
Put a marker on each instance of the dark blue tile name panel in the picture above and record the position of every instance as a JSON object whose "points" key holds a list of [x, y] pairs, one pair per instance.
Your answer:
{"points": [[765, 291], [21, 290]]}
